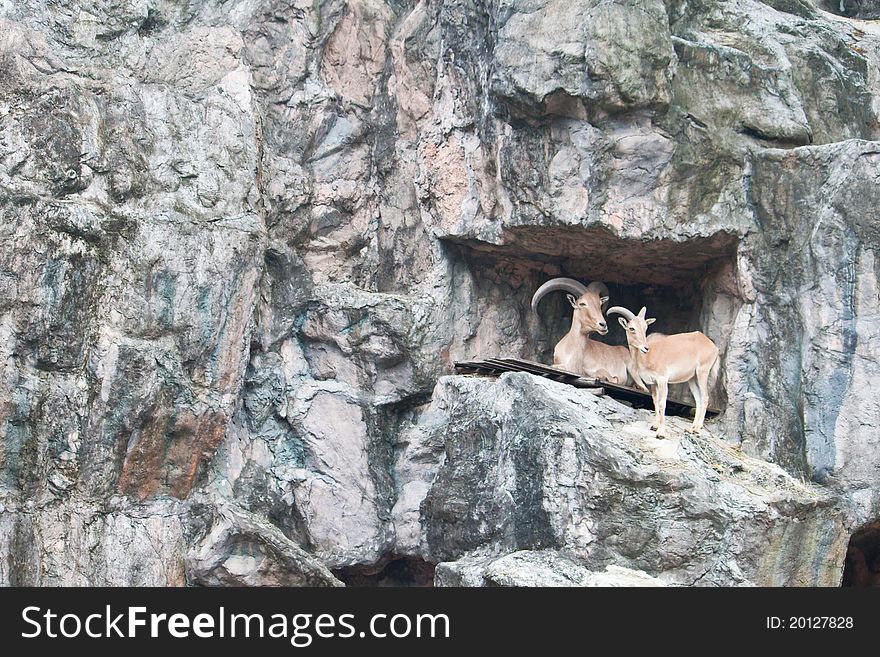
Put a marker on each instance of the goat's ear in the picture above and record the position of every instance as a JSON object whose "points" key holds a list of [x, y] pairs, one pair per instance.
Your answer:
{"points": [[650, 321], [572, 300], [603, 300], [622, 321]]}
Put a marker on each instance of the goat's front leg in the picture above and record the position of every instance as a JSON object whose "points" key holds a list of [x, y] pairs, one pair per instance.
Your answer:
{"points": [[661, 388], [639, 384], [604, 375], [655, 391]]}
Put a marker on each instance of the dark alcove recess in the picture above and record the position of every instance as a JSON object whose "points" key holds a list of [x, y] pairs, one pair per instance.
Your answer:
{"points": [[403, 571], [863, 9], [687, 285], [862, 566]]}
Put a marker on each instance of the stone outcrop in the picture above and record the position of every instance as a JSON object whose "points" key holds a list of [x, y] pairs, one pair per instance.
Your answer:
{"points": [[529, 464], [528, 568], [243, 241]]}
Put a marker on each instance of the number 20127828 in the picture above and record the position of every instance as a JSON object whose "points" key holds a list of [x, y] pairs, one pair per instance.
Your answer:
{"points": [[810, 623]]}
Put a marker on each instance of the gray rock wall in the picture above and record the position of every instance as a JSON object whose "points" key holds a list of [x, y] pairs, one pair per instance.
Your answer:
{"points": [[531, 464], [244, 240]]}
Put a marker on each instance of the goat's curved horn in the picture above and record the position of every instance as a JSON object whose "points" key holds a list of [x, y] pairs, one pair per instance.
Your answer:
{"points": [[620, 310], [600, 288], [568, 284]]}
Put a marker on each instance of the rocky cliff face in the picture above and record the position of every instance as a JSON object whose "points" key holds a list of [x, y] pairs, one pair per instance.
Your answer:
{"points": [[245, 240]]}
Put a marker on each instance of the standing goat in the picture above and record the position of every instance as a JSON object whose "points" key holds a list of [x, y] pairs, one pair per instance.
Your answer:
{"points": [[576, 352], [663, 359]]}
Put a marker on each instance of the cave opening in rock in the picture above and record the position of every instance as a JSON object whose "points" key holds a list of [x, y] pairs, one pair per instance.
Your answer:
{"points": [[862, 565], [687, 285], [861, 9], [403, 571]]}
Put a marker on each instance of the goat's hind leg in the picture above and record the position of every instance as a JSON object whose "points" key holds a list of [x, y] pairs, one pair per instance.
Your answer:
{"points": [[703, 386], [698, 404]]}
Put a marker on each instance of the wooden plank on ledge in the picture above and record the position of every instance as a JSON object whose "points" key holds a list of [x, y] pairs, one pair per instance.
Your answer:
{"points": [[636, 397], [554, 373]]}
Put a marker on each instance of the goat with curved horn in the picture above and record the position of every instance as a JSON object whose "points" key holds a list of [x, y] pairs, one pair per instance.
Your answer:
{"points": [[567, 284], [659, 360], [576, 352], [620, 310]]}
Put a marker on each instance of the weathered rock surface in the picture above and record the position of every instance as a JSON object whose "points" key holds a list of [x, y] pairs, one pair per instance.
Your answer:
{"points": [[117, 543], [531, 464], [238, 549], [243, 241], [528, 568], [814, 277]]}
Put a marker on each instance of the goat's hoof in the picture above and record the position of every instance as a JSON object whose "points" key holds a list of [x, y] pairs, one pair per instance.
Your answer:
{"points": [[694, 430], [655, 427]]}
